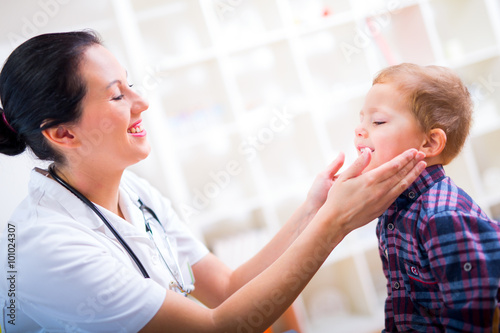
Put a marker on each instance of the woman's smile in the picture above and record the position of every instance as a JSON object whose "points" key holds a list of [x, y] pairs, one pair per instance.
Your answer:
{"points": [[136, 129]]}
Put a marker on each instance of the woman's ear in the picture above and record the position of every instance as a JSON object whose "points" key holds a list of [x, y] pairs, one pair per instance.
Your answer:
{"points": [[435, 143], [60, 136]]}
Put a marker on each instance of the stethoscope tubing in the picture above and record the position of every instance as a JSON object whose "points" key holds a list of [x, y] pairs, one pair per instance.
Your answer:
{"points": [[96, 210]]}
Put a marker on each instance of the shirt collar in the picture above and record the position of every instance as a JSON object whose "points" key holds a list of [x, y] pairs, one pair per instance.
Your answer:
{"points": [[42, 183], [424, 181]]}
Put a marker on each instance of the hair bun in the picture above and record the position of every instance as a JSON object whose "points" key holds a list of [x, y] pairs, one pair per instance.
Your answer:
{"points": [[10, 142]]}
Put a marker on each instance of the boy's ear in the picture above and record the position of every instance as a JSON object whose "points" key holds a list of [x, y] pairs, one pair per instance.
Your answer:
{"points": [[435, 142], [60, 136]]}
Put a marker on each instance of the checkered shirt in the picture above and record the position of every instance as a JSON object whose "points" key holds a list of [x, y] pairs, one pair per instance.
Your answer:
{"points": [[441, 258]]}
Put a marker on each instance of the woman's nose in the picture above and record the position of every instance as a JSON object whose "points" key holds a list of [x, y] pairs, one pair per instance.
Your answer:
{"points": [[140, 104]]}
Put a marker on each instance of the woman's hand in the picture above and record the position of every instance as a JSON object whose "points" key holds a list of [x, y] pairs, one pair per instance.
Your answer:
{"points": [[318, 192], [355, 199]]}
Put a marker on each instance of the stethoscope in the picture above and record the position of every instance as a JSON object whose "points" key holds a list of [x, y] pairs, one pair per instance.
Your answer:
{"points": [[177, 285]]}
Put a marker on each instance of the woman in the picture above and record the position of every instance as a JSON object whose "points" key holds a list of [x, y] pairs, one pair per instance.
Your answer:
{"points": [[66, 97]]}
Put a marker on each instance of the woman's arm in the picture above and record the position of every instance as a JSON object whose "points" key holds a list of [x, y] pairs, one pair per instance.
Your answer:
{"points": [[352, 201], [217, 282]]}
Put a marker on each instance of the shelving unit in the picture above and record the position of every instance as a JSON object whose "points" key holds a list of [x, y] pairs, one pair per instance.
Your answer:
{"points": [[251, 99]]}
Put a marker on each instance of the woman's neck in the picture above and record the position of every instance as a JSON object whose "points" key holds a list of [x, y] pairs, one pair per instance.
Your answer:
{"points": [[98, 185]]}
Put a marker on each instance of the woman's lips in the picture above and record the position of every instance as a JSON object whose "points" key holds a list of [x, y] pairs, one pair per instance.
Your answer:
{"points": [[136, 129]]}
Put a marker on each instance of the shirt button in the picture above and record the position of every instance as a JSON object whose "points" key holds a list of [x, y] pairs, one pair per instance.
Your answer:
{"points": [[412, 195], [396, 285], [390, 226], [414, 270], [386, 255], [467, 266]]}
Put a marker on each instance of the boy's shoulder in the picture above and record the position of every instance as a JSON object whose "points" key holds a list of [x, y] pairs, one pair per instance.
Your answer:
{"points": [[446, 196]]}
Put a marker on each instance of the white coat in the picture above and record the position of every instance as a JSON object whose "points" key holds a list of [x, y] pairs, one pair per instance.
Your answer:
{"points": [[66, 272]]}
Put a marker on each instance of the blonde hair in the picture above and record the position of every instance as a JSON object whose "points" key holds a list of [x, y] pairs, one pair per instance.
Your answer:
{"points": [[438, 99]]}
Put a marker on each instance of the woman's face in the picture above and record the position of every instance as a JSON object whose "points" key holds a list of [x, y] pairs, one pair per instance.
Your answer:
{"points": [[387, 126], [110, 129]]}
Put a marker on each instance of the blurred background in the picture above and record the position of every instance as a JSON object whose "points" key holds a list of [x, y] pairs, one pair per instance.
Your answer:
{"points": [[250, 99]]}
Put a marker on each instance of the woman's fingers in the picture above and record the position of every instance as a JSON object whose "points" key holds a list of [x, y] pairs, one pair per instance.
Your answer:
{"points": [[396, 175], [405, 177], [361, 198], [389, 180], [335, 166], [358, 165], [323, 182]]}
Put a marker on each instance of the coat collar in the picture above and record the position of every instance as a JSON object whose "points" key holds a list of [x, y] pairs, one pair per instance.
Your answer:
{"points": [[49, 189]]}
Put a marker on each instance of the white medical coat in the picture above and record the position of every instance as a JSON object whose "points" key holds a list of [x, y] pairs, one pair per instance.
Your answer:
{"points": [[70, 274]]}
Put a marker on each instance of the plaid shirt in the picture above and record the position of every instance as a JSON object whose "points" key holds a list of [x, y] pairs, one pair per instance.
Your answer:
{"points": [[441, 258]]}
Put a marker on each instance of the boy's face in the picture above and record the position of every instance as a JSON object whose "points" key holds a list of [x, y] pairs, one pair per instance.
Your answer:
{"points": [[387, 126]]}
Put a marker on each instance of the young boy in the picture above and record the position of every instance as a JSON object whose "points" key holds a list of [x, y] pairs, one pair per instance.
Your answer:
{"points": [[440, 251]]}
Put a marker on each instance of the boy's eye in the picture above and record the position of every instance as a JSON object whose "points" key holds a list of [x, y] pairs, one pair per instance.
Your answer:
{"points": [[378, 122]]}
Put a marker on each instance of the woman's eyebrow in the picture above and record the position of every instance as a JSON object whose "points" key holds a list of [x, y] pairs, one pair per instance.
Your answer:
{"points": [[116, 81], [113, 82]]}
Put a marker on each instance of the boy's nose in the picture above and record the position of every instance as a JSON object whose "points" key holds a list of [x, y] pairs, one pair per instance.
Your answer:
{"points": [[360, 131]]}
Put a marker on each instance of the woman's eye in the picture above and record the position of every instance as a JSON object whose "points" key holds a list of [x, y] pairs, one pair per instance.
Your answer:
{"points": [[378, 122], [117, 98]]}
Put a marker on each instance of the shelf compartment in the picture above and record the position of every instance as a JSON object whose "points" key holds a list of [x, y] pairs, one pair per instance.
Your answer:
{"points": [[454, 19], [236, 240], [194, 99], [288, 205], [27, 19], [290, 154], [175, 30], [315, 12], [147, 6], [112, 40], [460, 172], [335, 297], [339, 281], [266, 76], [334, 61], [495, 212], [400, 37], [481, 79], [217, 176], [92, 13], [484, 149], [240, 22], [364, 8]]}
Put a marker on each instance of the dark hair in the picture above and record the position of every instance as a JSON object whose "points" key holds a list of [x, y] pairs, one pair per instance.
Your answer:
{"points": [[41, 87]]}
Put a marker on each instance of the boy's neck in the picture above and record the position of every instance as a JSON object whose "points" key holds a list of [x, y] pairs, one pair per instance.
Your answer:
{"points": [[433, 160]]}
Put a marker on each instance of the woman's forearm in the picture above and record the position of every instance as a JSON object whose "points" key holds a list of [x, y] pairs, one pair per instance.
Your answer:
{"points": [[262, 300], [274, 248], [275, 289]]}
